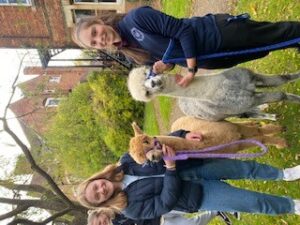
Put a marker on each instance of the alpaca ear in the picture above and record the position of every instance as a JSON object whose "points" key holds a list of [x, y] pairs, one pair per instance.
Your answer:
{"points": [[137, 130]]}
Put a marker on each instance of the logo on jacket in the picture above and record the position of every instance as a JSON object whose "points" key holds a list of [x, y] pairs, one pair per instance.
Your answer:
{"points": [[138, 35]]}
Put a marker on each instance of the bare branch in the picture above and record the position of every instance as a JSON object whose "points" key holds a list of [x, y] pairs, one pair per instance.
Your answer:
{"points": [[56, 215], [14, 212], [49, 219], [26, 151], [27, 187], [23, 221], [57, 201], [43, 204], [34, 166], [25, 114]]}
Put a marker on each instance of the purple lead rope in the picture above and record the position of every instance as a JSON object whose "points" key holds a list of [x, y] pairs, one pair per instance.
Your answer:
{"points": [[204, 153]]}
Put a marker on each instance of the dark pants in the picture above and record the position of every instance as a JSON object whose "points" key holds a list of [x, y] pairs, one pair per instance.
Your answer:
{"points": [[244, 34]]}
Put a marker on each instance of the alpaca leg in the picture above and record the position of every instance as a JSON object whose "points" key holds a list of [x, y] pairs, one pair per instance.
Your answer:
{"points": [[249, 131], [271, 129], [273, 81], [258, 115], [252, 129], [278, 142], [292, 98], [256, 112], [268, 97]]}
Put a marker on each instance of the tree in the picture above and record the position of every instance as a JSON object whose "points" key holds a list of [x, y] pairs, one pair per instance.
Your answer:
{"points": [[49, 197], [75, 136], [93, 125]]}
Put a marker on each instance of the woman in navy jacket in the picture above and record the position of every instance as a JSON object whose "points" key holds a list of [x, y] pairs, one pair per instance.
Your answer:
{"points": [[147, 193], [144, 34]]}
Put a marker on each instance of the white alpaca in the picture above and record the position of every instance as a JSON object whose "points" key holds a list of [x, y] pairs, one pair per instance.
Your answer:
{"points": [[228, 93]]}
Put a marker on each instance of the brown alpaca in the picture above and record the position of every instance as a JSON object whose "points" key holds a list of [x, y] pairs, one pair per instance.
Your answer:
{"points": [[142, 146]]}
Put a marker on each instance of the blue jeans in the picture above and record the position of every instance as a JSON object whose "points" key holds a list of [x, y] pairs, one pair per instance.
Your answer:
{"points": [[218, 195], [222, 169]]}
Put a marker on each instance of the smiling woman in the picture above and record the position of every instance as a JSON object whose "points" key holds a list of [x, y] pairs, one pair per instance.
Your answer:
{"points": [[100, 217], [111, 20], [103, 188], [144, 35], [147, 192], [100, 190], [99, 36]]}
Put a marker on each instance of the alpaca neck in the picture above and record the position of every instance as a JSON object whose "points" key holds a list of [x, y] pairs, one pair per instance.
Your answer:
{"points": [[201, 85], [178, 143]]}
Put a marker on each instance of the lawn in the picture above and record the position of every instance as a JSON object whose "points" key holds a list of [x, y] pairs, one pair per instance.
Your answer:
{"points": [[284, 61]]}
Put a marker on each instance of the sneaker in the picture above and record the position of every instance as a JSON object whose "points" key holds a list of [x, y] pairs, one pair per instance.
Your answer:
{"points": [[237, 215], [225, 218]]}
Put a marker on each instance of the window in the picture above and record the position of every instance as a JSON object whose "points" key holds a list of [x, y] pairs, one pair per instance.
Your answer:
{"points": [[15, 2], [49, 91], [54, 79], [78, 13], [52, 102]]}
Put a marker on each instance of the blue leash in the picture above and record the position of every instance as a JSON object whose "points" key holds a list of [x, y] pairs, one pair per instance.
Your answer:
{"points": [[203, 58]]}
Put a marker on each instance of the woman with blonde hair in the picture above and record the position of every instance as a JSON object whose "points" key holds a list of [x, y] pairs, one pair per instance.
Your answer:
{"points": [[173, 217], [110, 180], [144, 34], [147, 193], [102, 216]]}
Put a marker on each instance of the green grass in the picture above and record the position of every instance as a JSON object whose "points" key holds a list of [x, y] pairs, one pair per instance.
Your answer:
{"points": [[165, 106], [177, 8], [289, 114], [268, 10], [150, 123], [283, 61]]}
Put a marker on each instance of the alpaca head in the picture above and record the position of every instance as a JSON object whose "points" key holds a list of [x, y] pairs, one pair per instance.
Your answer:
{"points": [[143, 87], [143, 148]]}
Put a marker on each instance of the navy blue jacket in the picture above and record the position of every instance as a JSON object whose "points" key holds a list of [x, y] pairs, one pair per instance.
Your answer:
{"points": [[152, 197], [152, 30]]}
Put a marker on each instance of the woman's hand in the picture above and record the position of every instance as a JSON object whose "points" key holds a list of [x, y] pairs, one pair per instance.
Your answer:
{"points": [[193, 136], [184, 81], [168, 151], [160, 67]]}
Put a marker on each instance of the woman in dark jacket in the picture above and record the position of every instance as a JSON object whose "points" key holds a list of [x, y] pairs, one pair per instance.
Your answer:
{"points": [[151, 192], [101, 217], [144, 35]]}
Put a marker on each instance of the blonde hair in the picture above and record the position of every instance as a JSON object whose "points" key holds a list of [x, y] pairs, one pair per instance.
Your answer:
{"points": [[117, 202], [93, 213], [138, 55]]}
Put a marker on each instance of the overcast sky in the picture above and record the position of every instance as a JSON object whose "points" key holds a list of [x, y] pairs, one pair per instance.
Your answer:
{"points": [[9, 64]]}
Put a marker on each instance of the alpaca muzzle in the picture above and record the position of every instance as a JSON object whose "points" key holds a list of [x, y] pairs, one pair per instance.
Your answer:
{"points": [[155, 153]]}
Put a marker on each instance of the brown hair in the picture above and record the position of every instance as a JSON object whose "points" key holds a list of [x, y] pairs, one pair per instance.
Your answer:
{"points": [[117, 201], [92, 213], [138, 55]]}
